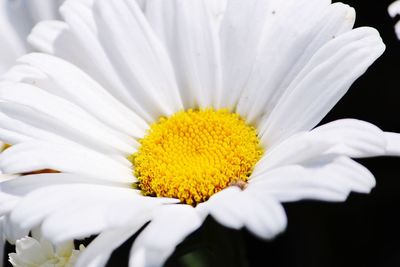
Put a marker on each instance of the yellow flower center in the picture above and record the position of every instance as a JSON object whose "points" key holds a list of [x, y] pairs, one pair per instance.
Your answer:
{"points": [[196, 153]]}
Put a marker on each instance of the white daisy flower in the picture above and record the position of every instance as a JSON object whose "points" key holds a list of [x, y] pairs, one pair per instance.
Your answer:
{"points": [[17, 18], [38, 252], [394, 10], [240, 87]]}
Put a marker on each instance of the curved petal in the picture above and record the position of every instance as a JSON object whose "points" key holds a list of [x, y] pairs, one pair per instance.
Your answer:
{"points": [[169, 227], [265, 44], [61, 114], [329, 178], [353, 138], [185, 27], [77, 211], [321, 83], [80, 33], [16, 20], [84, 32], [261, 215], [43, 9], [11, 137], [69, 159], [349, 137], [394, 9], [101, 248], [138, 56], [15, 24], [25, 184], [16, 131], [7, 203], [24, 125], [63, 79], [393, 144]]}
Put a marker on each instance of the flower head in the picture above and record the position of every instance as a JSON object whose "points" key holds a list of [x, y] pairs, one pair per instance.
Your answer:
{"points": [[41, 253], [172, 110]]}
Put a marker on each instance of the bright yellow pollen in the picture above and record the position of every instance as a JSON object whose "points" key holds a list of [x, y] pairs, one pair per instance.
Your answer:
{"points": [[194, 154]]}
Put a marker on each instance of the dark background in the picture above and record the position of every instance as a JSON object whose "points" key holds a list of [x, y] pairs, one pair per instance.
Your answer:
{"points": [[365, 230]]}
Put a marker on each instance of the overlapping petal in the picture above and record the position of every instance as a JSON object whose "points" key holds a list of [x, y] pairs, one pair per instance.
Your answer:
{"points": [[173, 223], [73, 159], [77, 211], [16, 20], [230, 208], [191, 39], [329, 178], [321, 83], [138, 56]]}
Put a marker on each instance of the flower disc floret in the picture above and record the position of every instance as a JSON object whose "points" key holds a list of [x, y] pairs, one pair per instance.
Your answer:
{"points": [[196, 153]]}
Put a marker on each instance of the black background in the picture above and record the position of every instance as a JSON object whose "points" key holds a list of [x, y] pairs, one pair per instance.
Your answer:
{"points": [[365, 230]]}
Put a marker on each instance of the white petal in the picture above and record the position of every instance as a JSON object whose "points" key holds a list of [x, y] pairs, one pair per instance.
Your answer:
{"points": [[43, 9], [266, 43], [69, 159], [328, 178], [217, 8], [234, 208], [47, 37], [7, 177], [397, 29], [8, 51], [221, 207], [393, 144], [142, 4], [89, 217], [14, 26], [298, 148], [65, 80], [320, 84], [60, 113], [75, 211], [29, 125], [80, 33], [25, 184], [139, 57], [79, 210], [353, 138], [101, 248], [394, 9], [7, 203], [186, 29], [11, 137], [84, 33], [169, 227], [29, 250], [16, 131]]}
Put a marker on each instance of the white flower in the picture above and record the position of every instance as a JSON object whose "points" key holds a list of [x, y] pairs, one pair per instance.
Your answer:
{"points": [[17, 18], [394, 10], [281, 65], [38, 252]]}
